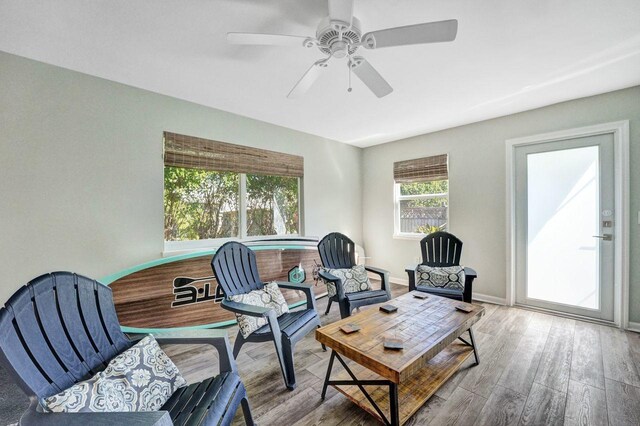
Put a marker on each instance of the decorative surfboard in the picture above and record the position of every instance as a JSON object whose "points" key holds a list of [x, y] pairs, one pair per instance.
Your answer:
{"points": [[181, 291]]}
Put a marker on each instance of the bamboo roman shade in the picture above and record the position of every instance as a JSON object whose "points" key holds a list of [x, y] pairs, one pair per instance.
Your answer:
{"points": [[424, 169], [198, 153]]}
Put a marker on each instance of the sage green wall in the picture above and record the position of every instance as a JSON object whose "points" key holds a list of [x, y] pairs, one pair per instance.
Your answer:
{"points": [[477, 185], [81, 170], [81, 175]]}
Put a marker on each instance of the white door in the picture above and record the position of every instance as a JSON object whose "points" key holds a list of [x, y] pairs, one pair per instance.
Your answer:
{"points": [[564, 226]]}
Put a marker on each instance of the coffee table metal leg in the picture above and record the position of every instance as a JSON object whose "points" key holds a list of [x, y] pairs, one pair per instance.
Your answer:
{"points": [[394, 408], [472, 344], [475, 346], [393, 390], [328, 376]]}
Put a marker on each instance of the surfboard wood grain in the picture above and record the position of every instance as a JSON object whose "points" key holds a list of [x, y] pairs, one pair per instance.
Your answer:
{"points": [[182, 293]]}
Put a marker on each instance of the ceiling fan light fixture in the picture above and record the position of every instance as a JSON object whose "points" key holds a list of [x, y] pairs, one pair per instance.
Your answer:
{"points": [[339, 49]]}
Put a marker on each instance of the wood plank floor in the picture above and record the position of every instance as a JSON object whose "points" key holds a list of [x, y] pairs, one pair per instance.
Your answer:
{"points": [[535, 369]]}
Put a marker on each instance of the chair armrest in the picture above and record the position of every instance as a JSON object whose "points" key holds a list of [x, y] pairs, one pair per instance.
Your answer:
{"points": [[306, 288], [411, 272], [216, 338], [411, 268], [255, 311], [470, 272], [337, 281], [245, 308], [294, 286], [384, 278], [327, 276], [377, 271], [34, 417]]}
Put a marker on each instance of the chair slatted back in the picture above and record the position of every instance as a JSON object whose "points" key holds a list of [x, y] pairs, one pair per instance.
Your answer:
{"points": [[441, 249], [236, 269], [59, 329], [337, 251]]}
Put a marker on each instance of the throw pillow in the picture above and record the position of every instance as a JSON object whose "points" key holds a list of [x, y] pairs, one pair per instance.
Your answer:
{"points": [[353, 280], [142, 378], [269, 296], [451, 277]]}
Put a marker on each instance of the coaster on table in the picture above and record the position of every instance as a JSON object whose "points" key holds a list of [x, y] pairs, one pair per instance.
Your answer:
{"points": [[393, 343], [388, 308], [350, 328], [420, 295], [467, 309]]}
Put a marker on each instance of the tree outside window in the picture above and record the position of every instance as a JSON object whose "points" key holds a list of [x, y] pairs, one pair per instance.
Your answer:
{"points": [[422, 207], [202, 204], [272, 205]]}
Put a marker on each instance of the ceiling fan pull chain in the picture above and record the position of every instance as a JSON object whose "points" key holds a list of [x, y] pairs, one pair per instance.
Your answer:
{"points": [[349, 66]]}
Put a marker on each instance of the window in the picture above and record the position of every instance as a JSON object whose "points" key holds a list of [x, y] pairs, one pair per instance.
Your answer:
{"points": [[421, 196], [215, 190], [272, 205], [200, 205]]}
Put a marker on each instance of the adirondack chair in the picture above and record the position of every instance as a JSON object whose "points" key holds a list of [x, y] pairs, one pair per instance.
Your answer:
{"points": [[236, 270], [62, 328], [337, 251], [442, 249]]}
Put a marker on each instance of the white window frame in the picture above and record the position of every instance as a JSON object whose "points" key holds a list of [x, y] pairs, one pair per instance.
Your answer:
{"points": [[397, 197], [175, 247]]}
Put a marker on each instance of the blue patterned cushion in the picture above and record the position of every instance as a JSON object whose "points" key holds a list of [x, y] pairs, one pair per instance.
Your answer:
{"points": [[451, 277], [353, 280], [142, 378], [269, 296]]}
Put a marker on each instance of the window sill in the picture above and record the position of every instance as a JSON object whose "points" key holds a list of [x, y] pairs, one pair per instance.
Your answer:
{"points": [[173, 248], [413, 237]]}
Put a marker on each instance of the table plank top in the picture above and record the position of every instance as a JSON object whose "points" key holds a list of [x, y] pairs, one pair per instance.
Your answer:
{"points": [[426, 327]]}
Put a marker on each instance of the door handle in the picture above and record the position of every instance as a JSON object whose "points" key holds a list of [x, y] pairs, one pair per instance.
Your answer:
{"points": [[605, 237]]}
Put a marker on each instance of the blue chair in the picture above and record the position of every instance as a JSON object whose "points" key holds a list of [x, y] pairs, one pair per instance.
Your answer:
{"points": [[337, 251], [442, 249], [236, 271], [62, 328]]}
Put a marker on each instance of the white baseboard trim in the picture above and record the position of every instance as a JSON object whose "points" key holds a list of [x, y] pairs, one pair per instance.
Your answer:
{"points": [[633, 326], [400, 281], [476, 296], [489, 299]]}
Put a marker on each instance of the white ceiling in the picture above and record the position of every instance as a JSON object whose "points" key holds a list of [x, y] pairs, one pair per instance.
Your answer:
{"points": [[509, 56]]}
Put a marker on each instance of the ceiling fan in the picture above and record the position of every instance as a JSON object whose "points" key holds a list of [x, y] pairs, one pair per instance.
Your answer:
{"points": [[339, 36]]}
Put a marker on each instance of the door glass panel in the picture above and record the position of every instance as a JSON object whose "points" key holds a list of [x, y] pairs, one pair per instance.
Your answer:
{"points": [[563, 216]]}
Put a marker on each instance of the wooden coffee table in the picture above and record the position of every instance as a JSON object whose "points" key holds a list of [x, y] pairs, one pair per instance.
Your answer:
{"points": [[393, 384]]}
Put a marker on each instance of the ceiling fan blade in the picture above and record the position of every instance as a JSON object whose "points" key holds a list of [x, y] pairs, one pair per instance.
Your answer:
{"points": [[370, 77], [430, 32], [341, 10], [266, 39], [307, 79]]}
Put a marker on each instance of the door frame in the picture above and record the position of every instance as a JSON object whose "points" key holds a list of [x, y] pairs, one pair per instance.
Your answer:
{"points": [[620, 132]]}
